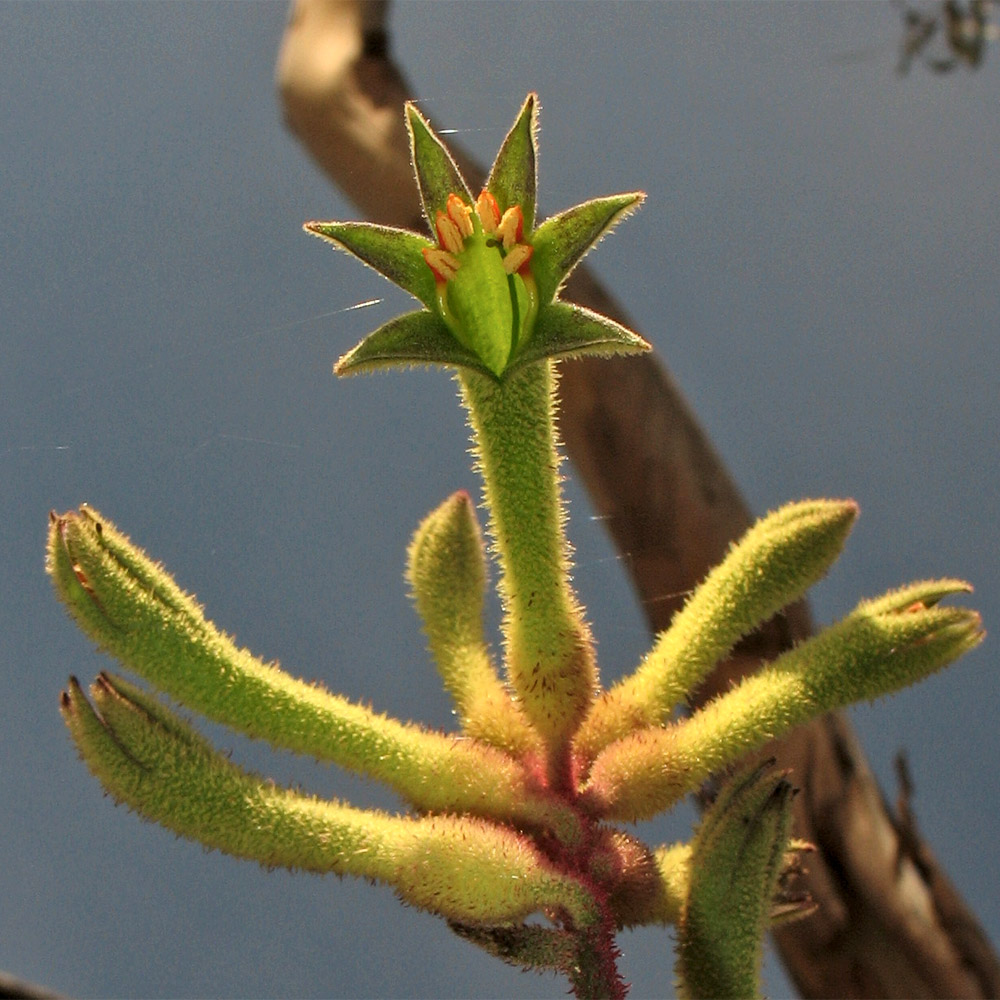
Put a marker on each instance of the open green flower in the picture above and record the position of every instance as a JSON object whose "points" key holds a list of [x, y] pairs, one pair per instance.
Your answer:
{"points": [[490, 281]]}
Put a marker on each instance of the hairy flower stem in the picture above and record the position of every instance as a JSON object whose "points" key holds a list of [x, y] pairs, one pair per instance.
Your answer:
{"points": [[550, 654], [595, 973]]}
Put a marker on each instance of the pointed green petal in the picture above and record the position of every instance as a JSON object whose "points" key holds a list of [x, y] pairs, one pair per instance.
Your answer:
{"points": [[394, 253], [561, 241], [737, 857], [463, 868], [437, 174], [416, 338], [512, 179], [563, 330]]}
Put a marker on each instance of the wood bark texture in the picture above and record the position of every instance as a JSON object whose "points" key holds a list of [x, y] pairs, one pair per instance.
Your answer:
{"points": [[889, 923]]}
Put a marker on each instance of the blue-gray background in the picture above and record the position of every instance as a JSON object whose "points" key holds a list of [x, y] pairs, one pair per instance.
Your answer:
{"points": [[817, 262]]}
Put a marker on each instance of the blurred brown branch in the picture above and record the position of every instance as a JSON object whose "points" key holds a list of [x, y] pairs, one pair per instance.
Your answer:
{"points": [[889, 923], [13, 988]]}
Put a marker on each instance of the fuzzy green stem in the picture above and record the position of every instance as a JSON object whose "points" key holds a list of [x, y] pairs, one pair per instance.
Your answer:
{"points": [[549, 651]]}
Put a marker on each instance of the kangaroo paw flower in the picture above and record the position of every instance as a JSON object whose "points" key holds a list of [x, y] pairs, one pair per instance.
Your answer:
{"points": [[513, 816], [135, 611], [882, 646], [488, 281], [775, 562]]}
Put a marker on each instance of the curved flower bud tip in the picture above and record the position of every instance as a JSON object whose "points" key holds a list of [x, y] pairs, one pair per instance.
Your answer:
{"points": [[446, 570]]}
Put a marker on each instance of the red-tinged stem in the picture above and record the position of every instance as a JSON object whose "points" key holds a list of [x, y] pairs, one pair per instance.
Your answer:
{"points": [[596, 974]]}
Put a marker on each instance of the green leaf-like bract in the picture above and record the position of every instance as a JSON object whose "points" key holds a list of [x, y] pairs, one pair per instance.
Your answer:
{"points": [[567, 331], [416, 338], [394, 253], [513, 179], [437, 174]]}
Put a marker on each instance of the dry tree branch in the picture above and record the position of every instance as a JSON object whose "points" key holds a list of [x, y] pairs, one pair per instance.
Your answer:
{"points": [[889, 922], [14, 988]]}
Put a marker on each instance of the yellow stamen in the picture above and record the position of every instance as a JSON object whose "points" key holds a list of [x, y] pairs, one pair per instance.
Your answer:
{"points": [[460, 214], [449, 235], [488, 211], [444, 265], [511, 226], [517, 258]]}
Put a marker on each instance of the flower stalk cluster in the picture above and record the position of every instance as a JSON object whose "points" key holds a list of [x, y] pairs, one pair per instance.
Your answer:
{"points": [[519, 812]]}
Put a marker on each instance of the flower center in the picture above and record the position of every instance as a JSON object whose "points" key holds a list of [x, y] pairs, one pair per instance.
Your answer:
{"points": [[485, 289]]}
